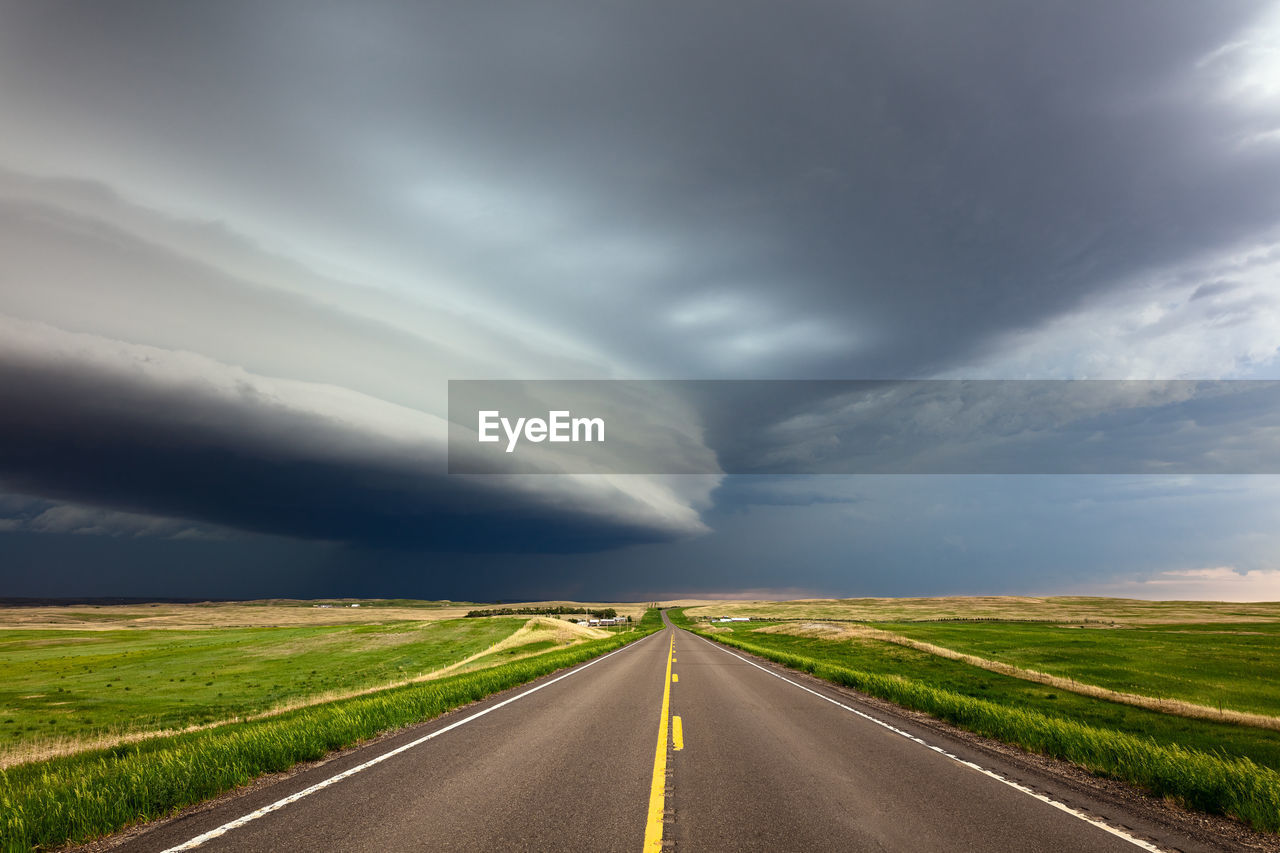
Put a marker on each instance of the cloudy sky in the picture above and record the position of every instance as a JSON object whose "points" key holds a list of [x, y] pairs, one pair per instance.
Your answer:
{"points": [[244, 246]]}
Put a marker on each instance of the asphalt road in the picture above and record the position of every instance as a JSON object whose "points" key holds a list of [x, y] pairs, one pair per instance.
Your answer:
{"points": [[756, 758]]}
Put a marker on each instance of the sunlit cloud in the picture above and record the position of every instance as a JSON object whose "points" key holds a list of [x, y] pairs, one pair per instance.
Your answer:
{"points": [[1219, 583]]}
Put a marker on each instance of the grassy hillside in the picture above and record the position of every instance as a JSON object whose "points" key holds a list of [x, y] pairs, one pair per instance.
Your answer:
{"points": [[1228, 665], [57, 684], [1121, 611], [273, 613], [88, 676]]}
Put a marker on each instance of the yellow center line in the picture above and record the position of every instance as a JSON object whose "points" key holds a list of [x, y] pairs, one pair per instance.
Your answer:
{"points": [[677, 733], [658, 789], [675, 677]]}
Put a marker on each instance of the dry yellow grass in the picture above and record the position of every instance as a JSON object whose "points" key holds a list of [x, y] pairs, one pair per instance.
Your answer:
{"points": [[254, 614], [697, 602], [536, 630], [214, 615], [1059, 609], [1176, 707], [347, 641]]}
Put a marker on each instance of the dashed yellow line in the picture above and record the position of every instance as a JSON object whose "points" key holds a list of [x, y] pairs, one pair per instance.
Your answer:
{"points": [[658, 788], [677, 733], [674, 677]]}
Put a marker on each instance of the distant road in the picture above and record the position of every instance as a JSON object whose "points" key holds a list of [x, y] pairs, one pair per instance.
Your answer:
{"points": [[756, 758]]}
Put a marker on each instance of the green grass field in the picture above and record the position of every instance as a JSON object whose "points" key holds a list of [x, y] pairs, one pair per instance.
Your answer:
{"points": [[882, 658], [1230, 665], [69, 684], [1119, 611], [1218, 767]]}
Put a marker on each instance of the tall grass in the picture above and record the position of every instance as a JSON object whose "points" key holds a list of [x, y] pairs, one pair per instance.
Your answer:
{"points": [[1212, 783], [70, 691], [1229, 672], [80, 797]]}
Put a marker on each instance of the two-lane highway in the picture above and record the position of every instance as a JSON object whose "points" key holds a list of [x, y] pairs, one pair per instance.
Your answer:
{"points": [[671, 742]]}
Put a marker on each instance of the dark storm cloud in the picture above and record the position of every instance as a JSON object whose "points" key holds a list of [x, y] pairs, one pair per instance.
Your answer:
{"points": [[902, 181], [251, 462], [1008, 427]]}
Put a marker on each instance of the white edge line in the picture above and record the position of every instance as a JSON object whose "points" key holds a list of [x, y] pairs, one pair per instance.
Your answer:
{"points": [[1138, 842], [333, 780]]}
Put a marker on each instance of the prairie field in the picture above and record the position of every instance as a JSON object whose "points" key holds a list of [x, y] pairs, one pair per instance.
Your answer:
{"points": [[274, 613], [63, 685], [1219, 655], [1062, 609], [1232, 665], [80, 677], [1180, 698]]}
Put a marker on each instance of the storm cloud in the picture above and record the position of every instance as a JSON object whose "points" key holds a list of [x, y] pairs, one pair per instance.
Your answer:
{"points": [[243, 246], [145, 431]]}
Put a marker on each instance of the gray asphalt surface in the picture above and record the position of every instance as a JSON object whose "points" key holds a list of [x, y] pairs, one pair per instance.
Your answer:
{"points": [[765, 766]]}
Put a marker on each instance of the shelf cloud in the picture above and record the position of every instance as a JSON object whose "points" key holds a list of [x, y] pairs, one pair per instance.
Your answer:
{"points": [[141, 430]]}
